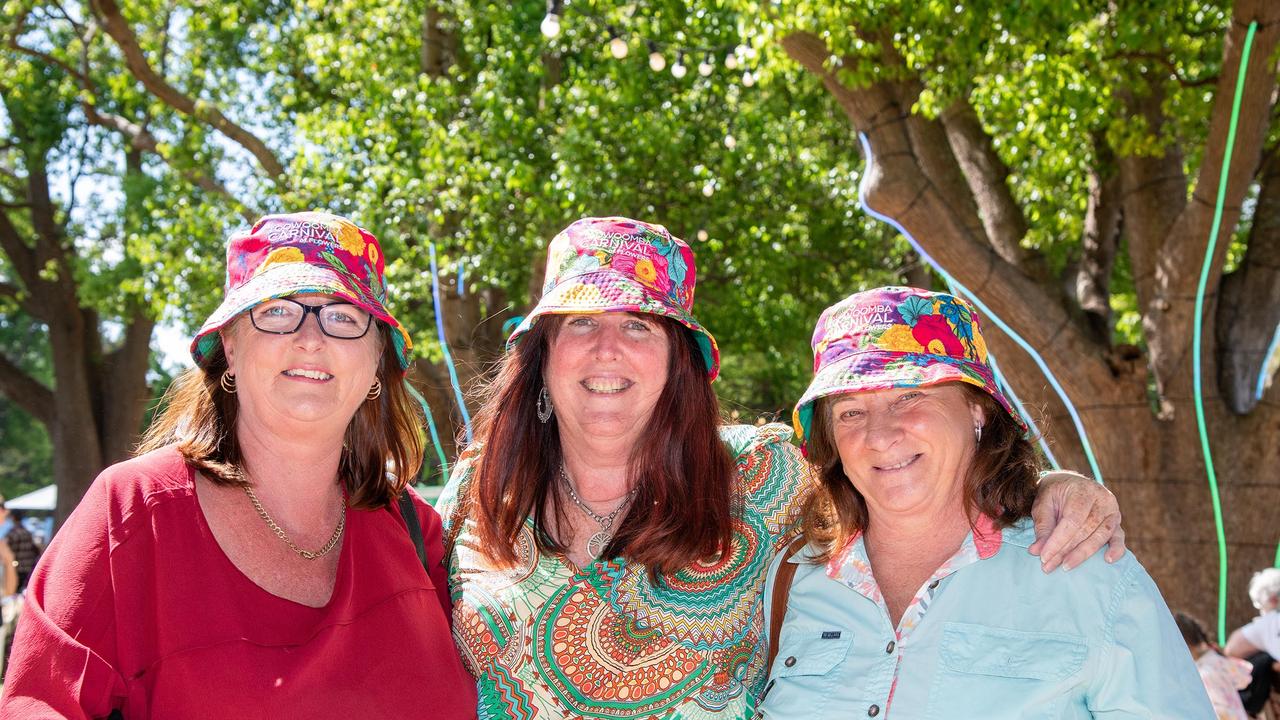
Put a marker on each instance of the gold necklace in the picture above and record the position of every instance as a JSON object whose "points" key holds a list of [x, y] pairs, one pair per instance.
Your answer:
{"points": [[280, 533]]}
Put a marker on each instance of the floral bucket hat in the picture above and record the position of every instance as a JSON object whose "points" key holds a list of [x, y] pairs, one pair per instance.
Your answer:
{"points": [[599, 265], [896, 337], [307, 252]]}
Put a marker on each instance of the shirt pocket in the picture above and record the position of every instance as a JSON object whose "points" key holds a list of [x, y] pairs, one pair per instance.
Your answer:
{"points": [[806, 669], [993, 672]]}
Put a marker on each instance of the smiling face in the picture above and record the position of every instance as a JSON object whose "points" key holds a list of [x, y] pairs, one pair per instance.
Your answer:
{"points": [[300, 381], [605, 373], [907, 450]]}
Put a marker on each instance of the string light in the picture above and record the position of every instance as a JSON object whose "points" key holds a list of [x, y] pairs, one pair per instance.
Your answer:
{"points": [[702, 236], [550, 25], [730, 142], [735, 59], [678, 70], [709, 189], [656, 61], [617, 46]]}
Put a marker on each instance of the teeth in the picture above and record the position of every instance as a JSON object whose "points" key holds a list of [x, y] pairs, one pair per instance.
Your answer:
{"points": [[312, 374], [608, 386], [900, 465]]}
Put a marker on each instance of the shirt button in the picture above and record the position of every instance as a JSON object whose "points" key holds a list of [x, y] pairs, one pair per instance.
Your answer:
{"points": [[789, 661], [873, 711], [889, 648], [933, 585]]}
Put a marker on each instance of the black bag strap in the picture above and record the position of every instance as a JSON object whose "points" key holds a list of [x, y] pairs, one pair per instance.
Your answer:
{"points": [[410, 515]]}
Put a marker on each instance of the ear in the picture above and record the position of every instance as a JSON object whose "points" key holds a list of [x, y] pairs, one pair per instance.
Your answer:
{"points": [[227, 336], [978, 414]]}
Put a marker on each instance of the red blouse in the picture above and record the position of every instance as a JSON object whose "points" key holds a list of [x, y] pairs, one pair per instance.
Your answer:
{"points": [[135, 606]]}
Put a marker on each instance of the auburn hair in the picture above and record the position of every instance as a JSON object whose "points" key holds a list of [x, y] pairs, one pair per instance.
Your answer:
{"points": [[680, 470], [1000, 482], [381, 451]]}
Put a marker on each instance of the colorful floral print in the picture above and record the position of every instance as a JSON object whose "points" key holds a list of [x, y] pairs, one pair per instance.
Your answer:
{"points": [[896, 337], [621, 265]]}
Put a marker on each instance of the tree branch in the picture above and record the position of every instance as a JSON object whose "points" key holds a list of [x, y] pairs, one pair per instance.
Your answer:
{"points": [[26, 392], [140, 138], [22, 257], [1089, 280], [108, 14], [988, 179], [1249, 303]]}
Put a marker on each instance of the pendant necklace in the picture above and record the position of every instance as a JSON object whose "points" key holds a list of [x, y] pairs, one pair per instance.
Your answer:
{"points": [[600, 539]]}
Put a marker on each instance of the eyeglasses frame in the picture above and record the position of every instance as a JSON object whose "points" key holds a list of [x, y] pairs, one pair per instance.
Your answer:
{"points": [[308, 310]]}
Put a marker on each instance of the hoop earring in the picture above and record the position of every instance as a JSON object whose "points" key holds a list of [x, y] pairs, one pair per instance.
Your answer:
{"points": [[228, 382], [545, 408], [375, 391], [977, 434]]}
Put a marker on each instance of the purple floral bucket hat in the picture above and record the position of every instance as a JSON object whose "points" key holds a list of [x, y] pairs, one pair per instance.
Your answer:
{"points": [[307, 252], [896, 337], [599, 265]]}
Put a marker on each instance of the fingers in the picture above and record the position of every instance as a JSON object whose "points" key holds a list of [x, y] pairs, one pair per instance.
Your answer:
{"points": [[1087, 547], [1115, 546], [1079, 518]]}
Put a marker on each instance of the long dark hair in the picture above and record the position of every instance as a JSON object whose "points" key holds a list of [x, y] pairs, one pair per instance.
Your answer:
{"points": [[384, 435], [682, 474], [1000, 483]]}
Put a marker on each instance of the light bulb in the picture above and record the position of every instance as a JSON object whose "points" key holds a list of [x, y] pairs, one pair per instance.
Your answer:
{"points": [[550, 25], [730, 142], [705, 67], [618, 48], [656, 61], [731, 61], [748, 79], [702, 236], [709, 189], [678, 70]]}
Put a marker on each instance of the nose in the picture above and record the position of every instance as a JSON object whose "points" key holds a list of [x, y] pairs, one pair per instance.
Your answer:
{"points": [[309, 336], [882, 431], [607, 343]]}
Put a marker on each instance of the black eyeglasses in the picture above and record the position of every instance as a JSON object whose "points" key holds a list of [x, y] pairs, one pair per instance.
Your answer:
{"points": [[283, 316]]}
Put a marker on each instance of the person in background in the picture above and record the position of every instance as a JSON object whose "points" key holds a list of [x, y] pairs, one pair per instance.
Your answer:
{"points": [[26, 553], [1259, 641], [258, 558], [607, 536], [1224, 677], [915, 596], [20, 560]]}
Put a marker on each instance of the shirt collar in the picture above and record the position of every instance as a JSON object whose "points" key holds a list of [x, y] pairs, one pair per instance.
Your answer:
{"points": [[850, 565]]}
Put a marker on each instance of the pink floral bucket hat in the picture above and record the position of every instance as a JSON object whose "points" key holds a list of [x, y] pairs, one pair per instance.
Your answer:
{"points": [[896, 337], [599, 265], [307, 252]]}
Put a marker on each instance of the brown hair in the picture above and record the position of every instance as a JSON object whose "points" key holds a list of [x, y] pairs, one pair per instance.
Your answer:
{"points": [[683, 475], [382, 448], [1000, 483]]}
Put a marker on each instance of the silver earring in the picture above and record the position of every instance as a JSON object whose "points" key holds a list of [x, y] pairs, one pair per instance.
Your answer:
{"points": [[977, 434], [545, 409], [228, 382]]}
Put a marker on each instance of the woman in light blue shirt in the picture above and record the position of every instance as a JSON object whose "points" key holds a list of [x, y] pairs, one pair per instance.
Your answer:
{"points": [[915, 596]]}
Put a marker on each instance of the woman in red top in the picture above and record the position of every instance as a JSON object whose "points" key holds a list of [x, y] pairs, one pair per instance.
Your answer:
{"points": [[253, 562]]}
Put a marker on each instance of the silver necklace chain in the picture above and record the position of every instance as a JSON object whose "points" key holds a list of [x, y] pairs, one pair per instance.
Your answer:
{"points": [[600, 539], [280, 533]]}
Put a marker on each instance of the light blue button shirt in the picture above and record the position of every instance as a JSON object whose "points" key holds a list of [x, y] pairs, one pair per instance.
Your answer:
{"points": [[998, 638]]}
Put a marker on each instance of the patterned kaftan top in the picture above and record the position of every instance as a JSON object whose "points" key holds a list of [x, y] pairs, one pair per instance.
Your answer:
{"points": [[546, 640]]}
